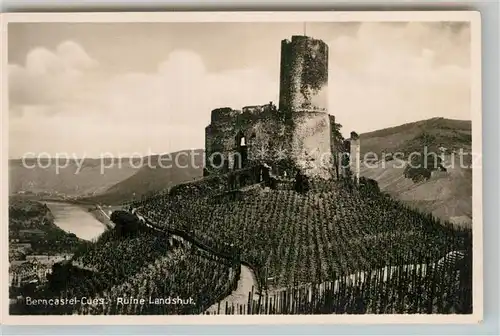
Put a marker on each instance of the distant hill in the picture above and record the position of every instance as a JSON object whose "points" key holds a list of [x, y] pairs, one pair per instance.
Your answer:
{"points": [[69, 180], [434, 133], [115, 184], [148, 179], [446, 194]]}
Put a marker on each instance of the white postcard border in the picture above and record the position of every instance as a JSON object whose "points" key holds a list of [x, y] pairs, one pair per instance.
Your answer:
{"points": [[388, 16]]}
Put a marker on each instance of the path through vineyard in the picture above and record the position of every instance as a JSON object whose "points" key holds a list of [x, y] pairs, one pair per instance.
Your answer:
{"points": [[238, 297], [247, 284]]}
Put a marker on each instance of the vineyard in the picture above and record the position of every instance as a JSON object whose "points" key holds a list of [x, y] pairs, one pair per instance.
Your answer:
{"points": [[294, 238], [148, 264], [326, 251], [193, 278], [337, 248], [437, 288]]}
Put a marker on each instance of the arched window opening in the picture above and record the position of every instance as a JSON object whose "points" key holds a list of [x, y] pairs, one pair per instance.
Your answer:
{"points": [[241, 155]]}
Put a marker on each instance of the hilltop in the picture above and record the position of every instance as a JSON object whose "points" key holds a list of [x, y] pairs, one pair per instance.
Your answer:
{"points": [[120, 180], [335, 228], [151, 179], [436, 132], [446, 194], [73, 180]]}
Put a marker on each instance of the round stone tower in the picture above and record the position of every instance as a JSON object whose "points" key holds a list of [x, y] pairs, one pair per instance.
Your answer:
{"points": [[304, 75]]}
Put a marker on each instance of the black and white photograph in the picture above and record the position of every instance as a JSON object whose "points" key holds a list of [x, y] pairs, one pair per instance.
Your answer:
{"points": [[317, 166]]}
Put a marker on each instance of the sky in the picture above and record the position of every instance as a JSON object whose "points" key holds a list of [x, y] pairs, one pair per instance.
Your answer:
{"points": [[92, 89]]}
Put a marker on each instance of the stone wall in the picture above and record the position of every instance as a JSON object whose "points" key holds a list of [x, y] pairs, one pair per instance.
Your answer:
{"points": [[260, 126], [305, 141], [304, 75], [332, 134], [355, 156], [298, 135], [220, 137], [310, 142]]}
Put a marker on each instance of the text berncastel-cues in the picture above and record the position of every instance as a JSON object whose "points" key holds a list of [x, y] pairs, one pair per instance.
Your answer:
{"points": [[101, 301]]}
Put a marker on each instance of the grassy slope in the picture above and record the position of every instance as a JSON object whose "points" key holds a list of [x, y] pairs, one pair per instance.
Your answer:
{"points": [[449, 133], [149, 180], [88, 180], [116, 184], [447, 195]]}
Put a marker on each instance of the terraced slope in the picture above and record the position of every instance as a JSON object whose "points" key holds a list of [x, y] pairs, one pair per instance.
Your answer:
{"points": [[309, 238], [170, 276]]}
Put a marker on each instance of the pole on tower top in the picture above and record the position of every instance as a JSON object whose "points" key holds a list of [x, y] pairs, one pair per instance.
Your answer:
{"points": [[305, 29]]}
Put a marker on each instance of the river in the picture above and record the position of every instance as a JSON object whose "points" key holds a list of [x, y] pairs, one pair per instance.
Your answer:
{"points": [[76, 219]]}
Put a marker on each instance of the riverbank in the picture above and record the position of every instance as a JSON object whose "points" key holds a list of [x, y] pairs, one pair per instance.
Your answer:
{"points": [[96, 210], [77, 219], [100, 214], [32, 230]]}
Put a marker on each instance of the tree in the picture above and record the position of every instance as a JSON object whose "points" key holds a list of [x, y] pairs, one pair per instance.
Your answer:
{"points": [[301, 183], [126, 224], [420, 167], [369, 185], [337, 144]]}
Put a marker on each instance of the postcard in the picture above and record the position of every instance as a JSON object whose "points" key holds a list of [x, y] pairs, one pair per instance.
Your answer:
{"points": [[242, 168]]}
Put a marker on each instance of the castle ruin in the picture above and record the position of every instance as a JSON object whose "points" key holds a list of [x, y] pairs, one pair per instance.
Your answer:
{"points": [[294, 136]]}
